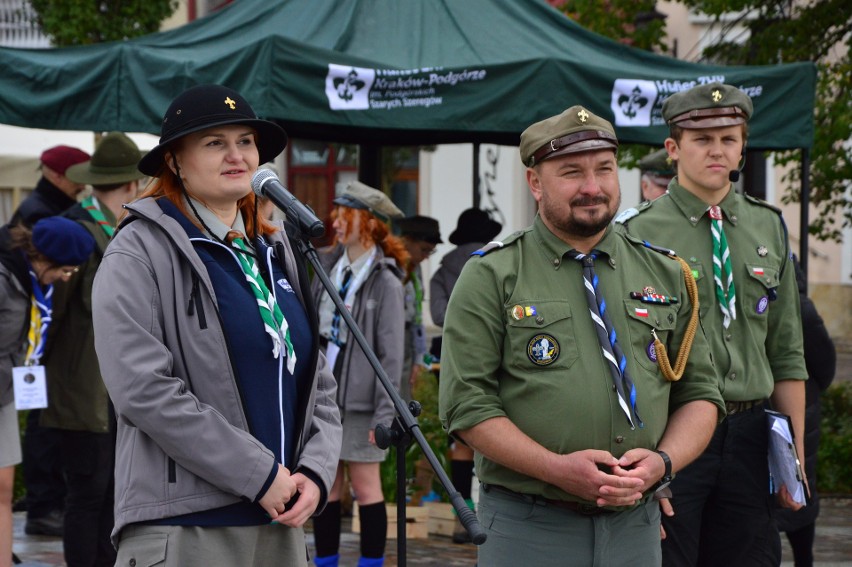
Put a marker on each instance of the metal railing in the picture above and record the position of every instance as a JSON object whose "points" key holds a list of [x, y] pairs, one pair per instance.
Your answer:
{"points": [[17, 27]]}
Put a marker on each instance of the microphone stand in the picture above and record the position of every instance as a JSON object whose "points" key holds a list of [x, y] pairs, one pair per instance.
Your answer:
{"points": [[405, 426]]}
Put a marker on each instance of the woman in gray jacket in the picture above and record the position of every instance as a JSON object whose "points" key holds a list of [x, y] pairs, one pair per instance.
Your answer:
{"points": [[228, 434], [365, 266]]}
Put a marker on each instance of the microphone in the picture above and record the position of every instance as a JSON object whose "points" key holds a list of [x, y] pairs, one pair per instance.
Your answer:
{"points": [[734, 174], [265, 183]]}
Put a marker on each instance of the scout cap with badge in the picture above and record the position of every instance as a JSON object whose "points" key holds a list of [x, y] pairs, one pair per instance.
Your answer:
{"points": [[360, 196], [712, 105], [114, 162], [575, 130], [419, 227], [205, 106], [658, 167]]}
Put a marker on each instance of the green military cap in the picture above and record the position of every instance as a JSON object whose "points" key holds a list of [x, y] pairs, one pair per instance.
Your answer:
{"points": [[575, 130], [360, 196], [115, 161], [708, 106], [657, 165]]}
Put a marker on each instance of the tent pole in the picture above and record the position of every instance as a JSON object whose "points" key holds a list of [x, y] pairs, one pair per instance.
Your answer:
{"points": [[804, 213], [370, 165], [475, 184]]}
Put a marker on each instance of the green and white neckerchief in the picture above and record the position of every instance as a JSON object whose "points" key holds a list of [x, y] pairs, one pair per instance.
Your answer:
{"points": [[723, 274], [274, 322], [95, 212]]}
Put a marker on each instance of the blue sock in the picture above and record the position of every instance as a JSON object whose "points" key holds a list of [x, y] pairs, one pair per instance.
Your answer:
{"points": [[328, 561]]}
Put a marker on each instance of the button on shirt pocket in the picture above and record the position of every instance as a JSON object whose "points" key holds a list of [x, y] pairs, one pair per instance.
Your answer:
{"points": [[642, 318], [540, 335]]}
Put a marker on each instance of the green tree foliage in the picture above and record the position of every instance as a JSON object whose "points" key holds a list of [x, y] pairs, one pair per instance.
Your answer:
{"points": [[784, 31], [82, 22], [631, 22]]}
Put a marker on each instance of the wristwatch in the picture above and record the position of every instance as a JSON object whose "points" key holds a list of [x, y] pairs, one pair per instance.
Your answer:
{"points": [[667, 474]]}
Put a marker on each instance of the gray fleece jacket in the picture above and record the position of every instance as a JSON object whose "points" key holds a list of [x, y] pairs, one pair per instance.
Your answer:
{"points": [[183, 439]]}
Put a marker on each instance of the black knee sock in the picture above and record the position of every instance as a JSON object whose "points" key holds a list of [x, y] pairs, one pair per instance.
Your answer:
{"points": [[327, 530], [374, 529], [461, 473]]}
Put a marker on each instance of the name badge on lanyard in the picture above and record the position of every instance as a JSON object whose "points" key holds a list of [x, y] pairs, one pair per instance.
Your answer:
{"points": [[30, 385]]}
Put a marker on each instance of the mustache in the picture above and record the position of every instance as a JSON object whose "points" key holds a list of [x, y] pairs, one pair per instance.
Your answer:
{"points": [[589, 201]]}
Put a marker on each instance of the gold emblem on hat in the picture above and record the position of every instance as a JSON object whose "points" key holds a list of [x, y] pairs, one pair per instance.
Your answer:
{"points": [[717, 95], [231, 103], [583, 115]]}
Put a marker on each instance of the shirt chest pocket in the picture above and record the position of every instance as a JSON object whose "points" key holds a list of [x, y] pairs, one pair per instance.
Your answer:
{"points": [[541, 335], [642, 319], [760, 290]]}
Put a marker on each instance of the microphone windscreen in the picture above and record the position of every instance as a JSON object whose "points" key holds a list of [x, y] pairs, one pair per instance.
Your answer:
{"points": [[733, 175], [259, 178]]}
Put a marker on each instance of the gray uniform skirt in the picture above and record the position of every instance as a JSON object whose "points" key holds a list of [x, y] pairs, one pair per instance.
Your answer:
{"points": [[356, 439], [10, 439]]}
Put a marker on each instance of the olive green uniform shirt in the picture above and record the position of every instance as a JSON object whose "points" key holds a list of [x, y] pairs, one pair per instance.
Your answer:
{"points": [[763, 344], [504, 307]]}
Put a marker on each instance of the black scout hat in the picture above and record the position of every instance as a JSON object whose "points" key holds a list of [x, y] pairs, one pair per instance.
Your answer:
{"points": [[712, 105], [114, 161], [419, 227], [205, 106], [360, 196], [474, 225], [575, 130]]}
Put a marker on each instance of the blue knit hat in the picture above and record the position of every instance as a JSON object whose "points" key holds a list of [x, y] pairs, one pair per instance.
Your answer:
{"points": [[63, 241]]}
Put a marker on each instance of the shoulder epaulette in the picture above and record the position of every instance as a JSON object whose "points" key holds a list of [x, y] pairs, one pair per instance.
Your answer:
{"points": [[644, 243], [761, 203], [628, 214], [496, 244]]}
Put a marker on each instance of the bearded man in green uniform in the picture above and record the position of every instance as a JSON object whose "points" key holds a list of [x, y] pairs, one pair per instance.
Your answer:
{"points": [[553, 375], [738, 251]]}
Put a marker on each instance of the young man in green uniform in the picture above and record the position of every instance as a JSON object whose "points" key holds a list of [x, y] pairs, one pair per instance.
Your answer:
{"points": [[738, 251], [551, 374]]}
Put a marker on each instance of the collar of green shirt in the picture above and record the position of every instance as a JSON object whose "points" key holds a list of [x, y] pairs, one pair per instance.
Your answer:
{"points": [[694, 208], [556, 248]]}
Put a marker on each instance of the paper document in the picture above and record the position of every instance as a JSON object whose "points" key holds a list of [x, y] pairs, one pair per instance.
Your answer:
{"points": [[784, 465]]}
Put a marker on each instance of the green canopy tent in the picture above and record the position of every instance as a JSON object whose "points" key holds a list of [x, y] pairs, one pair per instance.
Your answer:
{"points": [[384, 72]]}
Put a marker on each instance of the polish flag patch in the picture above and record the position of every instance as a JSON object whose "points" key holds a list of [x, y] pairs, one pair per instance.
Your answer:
{"points": [[641, 312], [757, 271]]}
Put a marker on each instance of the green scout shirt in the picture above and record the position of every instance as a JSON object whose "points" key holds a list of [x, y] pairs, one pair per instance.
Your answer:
{"points": [[764, 343], [565, 402]]}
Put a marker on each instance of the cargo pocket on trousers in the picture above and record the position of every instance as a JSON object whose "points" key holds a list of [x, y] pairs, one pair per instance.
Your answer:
{"points": [[142, 551]]}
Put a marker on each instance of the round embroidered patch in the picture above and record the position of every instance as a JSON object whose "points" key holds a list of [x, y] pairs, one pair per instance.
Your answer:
{"points": [[761, 306], [543, 350], [651, 351]]}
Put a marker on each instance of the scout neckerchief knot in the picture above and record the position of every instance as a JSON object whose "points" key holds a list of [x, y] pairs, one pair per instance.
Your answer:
{"points": [[624, 386], [92, 208], [41, 307], [335, 319], [723, 275], [274, 322]]}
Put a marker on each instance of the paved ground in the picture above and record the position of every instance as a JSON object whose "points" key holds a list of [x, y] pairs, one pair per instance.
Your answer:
{"points": [[833, 546]]}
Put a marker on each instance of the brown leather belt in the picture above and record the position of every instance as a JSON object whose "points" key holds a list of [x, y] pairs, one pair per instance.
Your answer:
{"points": [[576, 507], [738, 407]]}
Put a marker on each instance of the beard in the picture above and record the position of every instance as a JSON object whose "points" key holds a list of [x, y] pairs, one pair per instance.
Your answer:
{"points": [[567, 221]]}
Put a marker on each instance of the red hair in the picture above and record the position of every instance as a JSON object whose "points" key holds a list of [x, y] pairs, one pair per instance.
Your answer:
{"points": [[391, 245], [168, 185]]}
